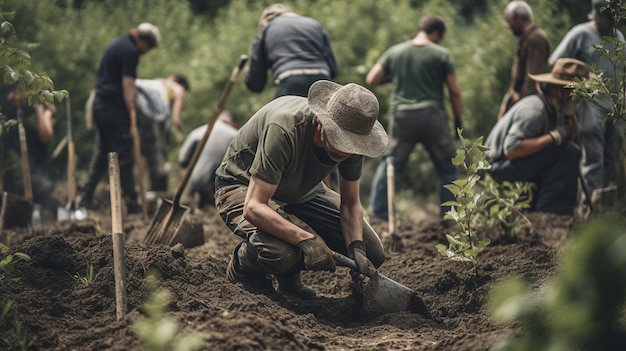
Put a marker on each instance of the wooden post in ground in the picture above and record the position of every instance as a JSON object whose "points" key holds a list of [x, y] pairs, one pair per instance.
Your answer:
{"points": [[118, 235]]}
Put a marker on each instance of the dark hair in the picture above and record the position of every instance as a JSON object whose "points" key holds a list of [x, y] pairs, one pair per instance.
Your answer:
{"points": [[432, 23], [182, 80]]}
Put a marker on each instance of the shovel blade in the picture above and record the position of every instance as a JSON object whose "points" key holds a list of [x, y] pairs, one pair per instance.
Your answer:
{"points": [[382, 295], [16, 211], [166, 223]]}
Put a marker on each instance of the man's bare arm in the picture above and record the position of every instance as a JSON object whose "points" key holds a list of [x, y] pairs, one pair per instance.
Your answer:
{"points": [[258, 212], [351, 211]]}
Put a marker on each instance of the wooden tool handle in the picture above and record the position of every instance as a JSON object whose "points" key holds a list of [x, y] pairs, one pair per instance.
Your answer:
{"points": [[220, 105], [28, 187], [391, 194], [115, 191], [138, 161], [118, 235], [71, 152]]}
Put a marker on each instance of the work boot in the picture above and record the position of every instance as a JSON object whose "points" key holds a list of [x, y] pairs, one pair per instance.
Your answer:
{"points": [[290, 284], [236, 273]]}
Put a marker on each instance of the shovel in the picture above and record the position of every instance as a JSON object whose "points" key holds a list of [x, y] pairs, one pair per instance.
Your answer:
{"points": [[382, 295], [170, 215], [70, 211]]}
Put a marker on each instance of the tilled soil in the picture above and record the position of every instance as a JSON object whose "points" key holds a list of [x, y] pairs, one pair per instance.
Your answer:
{"points": [[54, 311]]}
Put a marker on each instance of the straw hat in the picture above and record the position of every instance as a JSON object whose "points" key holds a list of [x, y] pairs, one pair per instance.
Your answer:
{"points": [[564, 71], [349, 115]]}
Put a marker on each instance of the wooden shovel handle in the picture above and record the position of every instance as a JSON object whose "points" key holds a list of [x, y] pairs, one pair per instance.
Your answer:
{"points": [[391, 195], [138, 161], [28, 187], [220, 105], [115, 191], [71, 155], [117, 236]]}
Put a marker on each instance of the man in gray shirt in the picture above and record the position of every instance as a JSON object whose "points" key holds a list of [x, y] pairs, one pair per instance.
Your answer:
{"points": [[297, 50]]}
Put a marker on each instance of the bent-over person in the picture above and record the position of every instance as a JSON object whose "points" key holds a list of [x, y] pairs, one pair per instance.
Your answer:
{"points": [[269, 188], [534, 141]]}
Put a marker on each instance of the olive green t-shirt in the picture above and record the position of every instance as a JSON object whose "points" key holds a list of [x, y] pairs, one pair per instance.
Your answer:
{"points": [[276, 146], [418, 74]]}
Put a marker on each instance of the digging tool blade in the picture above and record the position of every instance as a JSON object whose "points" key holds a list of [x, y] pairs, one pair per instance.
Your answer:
{"points": [[171, 214], [71, 212], [382, 295]]}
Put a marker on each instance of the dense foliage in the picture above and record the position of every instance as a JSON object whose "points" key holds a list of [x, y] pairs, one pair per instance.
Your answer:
{"points": [[204, 44]]}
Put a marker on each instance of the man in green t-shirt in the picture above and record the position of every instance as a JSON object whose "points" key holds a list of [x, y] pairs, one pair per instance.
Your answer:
{"points": [[418, 70], [269, 188]]}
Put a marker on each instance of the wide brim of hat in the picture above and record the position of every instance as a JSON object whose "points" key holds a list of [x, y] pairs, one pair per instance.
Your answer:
{"points": [[550, 79], [370, 145]]}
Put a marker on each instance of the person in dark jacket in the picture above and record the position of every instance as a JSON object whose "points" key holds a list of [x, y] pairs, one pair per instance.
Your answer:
{"points": [[297, 50]]}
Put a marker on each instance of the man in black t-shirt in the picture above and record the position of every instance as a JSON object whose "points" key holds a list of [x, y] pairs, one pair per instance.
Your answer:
{"points": [[116, 96]]}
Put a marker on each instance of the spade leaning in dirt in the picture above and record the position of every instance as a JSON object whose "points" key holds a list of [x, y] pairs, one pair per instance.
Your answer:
{"points": [[269, 188]]}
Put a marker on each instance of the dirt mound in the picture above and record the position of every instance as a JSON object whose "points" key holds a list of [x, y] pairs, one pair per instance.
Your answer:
{"points": [[57, 312]]}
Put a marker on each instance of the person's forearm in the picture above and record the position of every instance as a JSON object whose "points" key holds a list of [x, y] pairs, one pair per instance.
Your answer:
{"points": [[130, 92], [530, 146], [44, 123], [269, 221], [352, 223]]}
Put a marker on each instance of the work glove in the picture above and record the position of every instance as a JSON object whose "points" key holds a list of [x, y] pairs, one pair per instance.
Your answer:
{"points": [[356, 251], [560, 133], [317, 256]]}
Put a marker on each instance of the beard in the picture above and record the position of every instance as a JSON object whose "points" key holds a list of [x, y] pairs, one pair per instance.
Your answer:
{"points": [[331, 155]]}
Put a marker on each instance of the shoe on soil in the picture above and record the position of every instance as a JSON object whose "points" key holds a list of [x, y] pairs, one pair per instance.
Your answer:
{"points": [[290, 284], [236, 274]]}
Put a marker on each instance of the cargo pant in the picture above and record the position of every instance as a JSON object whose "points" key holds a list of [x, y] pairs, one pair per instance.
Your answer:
{"points": [[263, 253]]}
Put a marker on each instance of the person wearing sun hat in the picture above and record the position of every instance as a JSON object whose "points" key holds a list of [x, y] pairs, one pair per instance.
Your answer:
{"points": [[270, 190], [534, 140]]}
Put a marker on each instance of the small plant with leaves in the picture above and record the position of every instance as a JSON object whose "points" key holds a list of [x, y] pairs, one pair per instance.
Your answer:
{"points": [[8, 261], [85, 280], [505, 212], [468, 203], [159, 331], [481, 201]]}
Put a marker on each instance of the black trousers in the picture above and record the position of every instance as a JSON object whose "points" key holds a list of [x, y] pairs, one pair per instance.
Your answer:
{"points": [[555, 172]]}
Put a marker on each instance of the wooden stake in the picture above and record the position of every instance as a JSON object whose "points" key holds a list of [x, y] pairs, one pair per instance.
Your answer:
{"points": [[118, 235]]}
